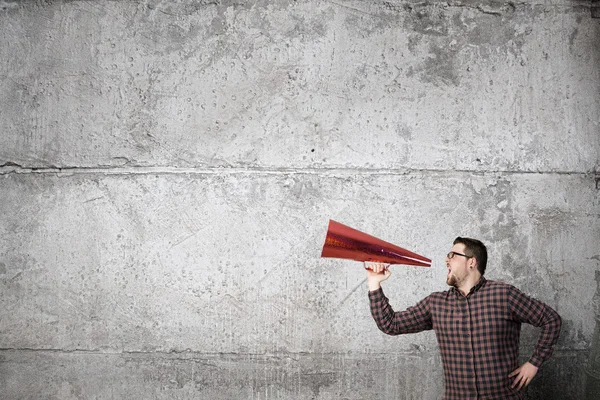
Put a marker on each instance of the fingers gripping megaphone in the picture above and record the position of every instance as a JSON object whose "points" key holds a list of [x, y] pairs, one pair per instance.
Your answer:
{"points": [[348, 243]]}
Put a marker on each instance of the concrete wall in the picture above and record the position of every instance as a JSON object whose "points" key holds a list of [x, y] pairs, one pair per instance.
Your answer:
{"points": [[168, 170]]}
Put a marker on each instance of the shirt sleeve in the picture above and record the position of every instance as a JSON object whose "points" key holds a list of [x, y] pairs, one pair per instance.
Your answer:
{"points": [[413, 319], [534, 312]]}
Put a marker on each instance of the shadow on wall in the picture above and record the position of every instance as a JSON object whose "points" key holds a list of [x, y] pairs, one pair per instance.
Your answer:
{"points": [[592, 370], [581, 369]]}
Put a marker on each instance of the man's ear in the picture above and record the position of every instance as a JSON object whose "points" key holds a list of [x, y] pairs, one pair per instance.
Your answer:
{"points": [[473, 263]]}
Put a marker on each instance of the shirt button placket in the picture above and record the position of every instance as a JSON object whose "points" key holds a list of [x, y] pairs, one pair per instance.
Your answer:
{"points": [[469, 337]]}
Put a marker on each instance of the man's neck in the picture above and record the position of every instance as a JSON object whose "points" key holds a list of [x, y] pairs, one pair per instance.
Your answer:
{"points": [[469, 283]]}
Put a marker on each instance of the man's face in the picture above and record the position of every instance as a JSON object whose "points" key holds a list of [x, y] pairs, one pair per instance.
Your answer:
{"points": [[457, 266]]}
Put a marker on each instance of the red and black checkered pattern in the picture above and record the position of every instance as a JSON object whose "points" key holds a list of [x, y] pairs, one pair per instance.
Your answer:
{"points": [[478, 334]]}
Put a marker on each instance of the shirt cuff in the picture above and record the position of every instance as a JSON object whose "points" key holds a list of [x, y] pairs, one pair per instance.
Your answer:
{"points": [[536, 361]]}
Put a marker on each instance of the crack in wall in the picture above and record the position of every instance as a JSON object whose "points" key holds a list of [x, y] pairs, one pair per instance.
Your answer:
{"points": [[433, 351], [13, 168], [487, 7]]}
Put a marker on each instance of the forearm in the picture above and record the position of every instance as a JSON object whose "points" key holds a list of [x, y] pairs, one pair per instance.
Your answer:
{"points": [[550, 331], [373, 285], [414, 319], [529, 310], [382, 312]]}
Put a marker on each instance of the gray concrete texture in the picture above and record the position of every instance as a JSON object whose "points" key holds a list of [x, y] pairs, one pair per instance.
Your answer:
{"points": [[168, 170]]}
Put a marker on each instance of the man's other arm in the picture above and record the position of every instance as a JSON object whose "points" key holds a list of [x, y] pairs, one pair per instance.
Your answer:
{"points": [[534, 312]]}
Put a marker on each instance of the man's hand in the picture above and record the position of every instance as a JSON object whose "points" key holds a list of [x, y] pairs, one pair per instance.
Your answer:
{"points": [[524, 375], [376, 273]]}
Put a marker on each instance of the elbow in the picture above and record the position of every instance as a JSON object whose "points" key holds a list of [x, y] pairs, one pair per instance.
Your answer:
{"points": [[388, 328], [553, 320], [556, 318]]}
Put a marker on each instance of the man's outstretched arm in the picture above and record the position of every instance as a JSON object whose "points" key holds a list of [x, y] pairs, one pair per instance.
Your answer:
{"points": [[414, 319]]}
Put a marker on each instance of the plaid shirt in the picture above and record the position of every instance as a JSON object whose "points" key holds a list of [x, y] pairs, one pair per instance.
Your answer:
{"points": [[478, 334]]}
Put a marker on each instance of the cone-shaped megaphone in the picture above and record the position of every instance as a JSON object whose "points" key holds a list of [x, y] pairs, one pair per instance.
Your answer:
{"points": [[350, 244]]}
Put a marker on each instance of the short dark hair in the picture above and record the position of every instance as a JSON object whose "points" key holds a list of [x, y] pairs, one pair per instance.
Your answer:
{"points": [[474, 248]]}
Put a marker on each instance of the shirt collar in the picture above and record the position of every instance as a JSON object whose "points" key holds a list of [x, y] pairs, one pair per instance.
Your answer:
{"points": [[474, 289], [478, 286]]}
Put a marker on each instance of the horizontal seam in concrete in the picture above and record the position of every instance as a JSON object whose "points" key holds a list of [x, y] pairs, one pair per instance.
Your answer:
{"points": [[199, 354], [226, 354], [497, 9], [494, 8], [274, 171]]}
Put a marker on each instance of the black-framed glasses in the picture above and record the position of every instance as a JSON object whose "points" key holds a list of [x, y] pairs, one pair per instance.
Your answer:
{"points": [[454, 253]]}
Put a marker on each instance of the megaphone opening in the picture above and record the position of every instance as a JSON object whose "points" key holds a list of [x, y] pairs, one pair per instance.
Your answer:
{"points": [[350, 244]]}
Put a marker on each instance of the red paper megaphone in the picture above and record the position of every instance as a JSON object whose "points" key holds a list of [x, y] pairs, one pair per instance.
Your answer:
{"points": [[350, 244]]}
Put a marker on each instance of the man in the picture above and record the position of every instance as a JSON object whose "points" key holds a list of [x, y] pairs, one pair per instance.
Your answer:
{"points": [[477, 324]]}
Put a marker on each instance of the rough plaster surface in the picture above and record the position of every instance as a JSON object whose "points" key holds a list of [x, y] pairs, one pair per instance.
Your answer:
{"points": [[168, 169], [301, 84], [246, 376], [228, 263]]}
